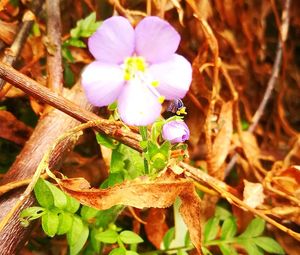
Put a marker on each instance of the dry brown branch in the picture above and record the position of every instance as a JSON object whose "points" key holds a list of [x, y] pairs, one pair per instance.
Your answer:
{"points": [[50, 126], [224, 192], [54, 58], [12, 53], [34, 89]]}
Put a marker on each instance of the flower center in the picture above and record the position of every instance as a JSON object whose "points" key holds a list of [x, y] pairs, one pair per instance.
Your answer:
{"points": [[133, 66]]}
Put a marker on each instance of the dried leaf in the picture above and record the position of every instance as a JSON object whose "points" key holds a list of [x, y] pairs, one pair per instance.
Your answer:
{"points": [[7, 31], [288, 180], [158, 193], [253, 194], [156, 226], [12, 129], [222, 141]]}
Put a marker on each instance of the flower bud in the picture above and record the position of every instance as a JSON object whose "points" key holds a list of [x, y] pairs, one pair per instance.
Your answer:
{"points": [[175, 131]]}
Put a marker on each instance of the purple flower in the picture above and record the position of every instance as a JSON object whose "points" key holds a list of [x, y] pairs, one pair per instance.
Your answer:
{"points": [[175, 131], [137, 67]]}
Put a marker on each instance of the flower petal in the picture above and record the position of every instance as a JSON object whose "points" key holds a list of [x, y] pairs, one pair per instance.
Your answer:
{"points": [[137, 105], [113, 41], [156, 40], [174, 76], [102, 83]]}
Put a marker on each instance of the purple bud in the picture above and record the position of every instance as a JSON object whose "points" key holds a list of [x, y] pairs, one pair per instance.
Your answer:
{"points": [[175, 131]]}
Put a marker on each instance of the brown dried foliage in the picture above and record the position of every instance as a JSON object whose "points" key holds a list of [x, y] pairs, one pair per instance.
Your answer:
{"points": [[232, 48]]}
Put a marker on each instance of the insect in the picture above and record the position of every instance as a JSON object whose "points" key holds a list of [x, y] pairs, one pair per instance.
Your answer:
{"points": [[176, 106]]}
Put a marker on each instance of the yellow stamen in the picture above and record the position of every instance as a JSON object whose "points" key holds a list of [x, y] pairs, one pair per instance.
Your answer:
{"points": [[181, 111], [155, 83], [161, 99]]}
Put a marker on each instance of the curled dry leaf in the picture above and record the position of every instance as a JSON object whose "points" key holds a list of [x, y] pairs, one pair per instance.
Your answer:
{"points": [[141, 193], [222, 141], [288, 180], [156, 226], [7, 31], [12, 129]]}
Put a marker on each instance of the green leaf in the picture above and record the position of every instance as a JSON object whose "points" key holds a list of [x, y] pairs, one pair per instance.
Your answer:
{"points": [[168, 238], [31, 213], [118, 251], [134, 162], [105, 217], [222, 213], [69, 77], [50, 223], [117, 163], [75, 42], [182, 252], [269, 245], [227, 249], [65, 223], [60, 198], [113, 106], [88, 213], [156, 130], [250, 247], [73, 233], [82, 237], [131, 253], [255, 228], [67, 55], [72, 205], [94, 242], [211, 229], [113, 179], [229, 228], [106, 141], [206, 251], [43, 194], [165, 149], [130, 237], [159, 161], [85, 27], [108, 236]]}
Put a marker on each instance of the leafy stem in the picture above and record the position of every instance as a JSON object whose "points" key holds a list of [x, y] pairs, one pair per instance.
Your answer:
{"points": [[144, 133]]}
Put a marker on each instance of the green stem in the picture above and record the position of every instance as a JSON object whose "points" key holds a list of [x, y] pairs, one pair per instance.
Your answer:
{"points": [[219, 241], [144, 134], [169, 251], [120, 243]]}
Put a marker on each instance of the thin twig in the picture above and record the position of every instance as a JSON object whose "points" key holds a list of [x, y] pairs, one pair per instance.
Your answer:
{"points": [[12, 53], [223, 190], [16, 184], [214, 47], [54, 59], [274, 76]]}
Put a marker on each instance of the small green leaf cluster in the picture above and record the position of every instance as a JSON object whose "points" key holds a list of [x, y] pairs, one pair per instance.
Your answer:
{"points": [[170, 236], [113, 236], [125, 163], [58, 214], [221, 231], [84, 28], [156, 151]]}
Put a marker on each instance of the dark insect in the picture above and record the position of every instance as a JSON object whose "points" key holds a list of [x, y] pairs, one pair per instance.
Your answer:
{"points": [[176, 106]]}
